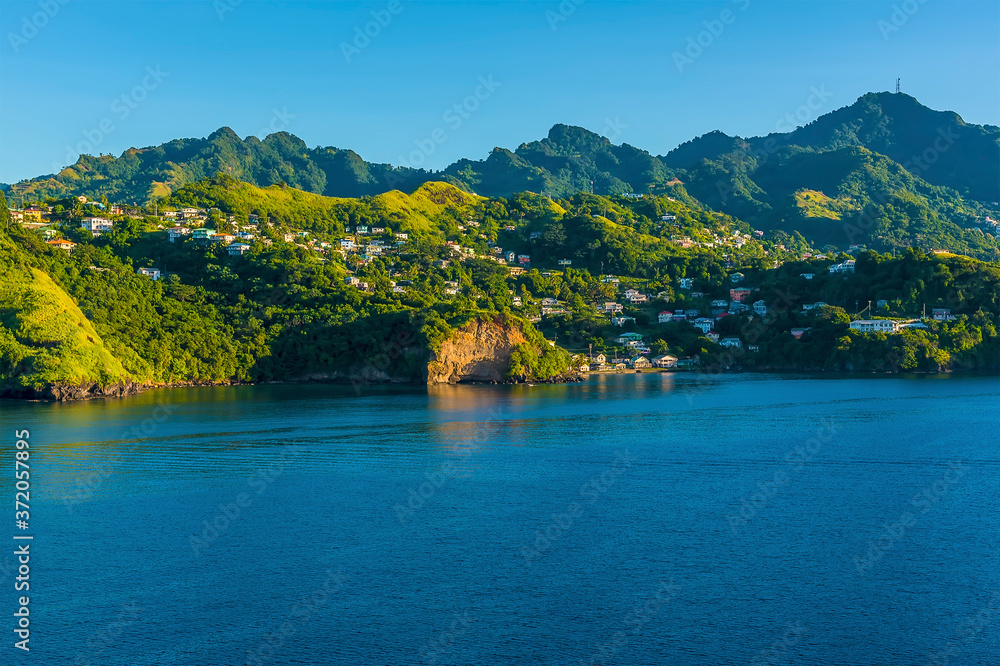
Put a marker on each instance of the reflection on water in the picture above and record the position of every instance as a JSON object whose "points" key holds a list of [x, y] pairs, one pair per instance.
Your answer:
{"points": [[480, 471]]}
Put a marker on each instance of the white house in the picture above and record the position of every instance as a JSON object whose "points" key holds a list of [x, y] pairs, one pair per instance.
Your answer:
{"points": [[620, 321], [760, 307], [151, 273], [875, 326], [731, 342], [665, 361], [96, 225], [846, 267], [687, 283], [638, 362], [665, 317], [565, 262], [237, 249], [704, 323]]}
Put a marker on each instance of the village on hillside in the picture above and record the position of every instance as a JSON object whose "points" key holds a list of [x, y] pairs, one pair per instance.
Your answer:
{"points": [[704, 306]]}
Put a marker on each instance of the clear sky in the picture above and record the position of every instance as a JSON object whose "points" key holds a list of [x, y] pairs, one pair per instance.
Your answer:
{"points": [[120, 74]]}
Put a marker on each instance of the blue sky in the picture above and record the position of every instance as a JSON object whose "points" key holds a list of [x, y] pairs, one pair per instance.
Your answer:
{"points": [[110, 75]]}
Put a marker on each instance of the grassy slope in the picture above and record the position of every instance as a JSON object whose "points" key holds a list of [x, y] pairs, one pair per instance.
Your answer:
{"points": [[45, 338]]}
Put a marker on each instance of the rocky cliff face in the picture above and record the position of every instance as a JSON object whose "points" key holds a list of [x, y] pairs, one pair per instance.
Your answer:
{"points": [[478, 352]]}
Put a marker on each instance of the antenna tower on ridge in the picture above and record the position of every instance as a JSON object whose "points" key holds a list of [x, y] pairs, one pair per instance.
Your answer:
{"points": [[897, 85]]}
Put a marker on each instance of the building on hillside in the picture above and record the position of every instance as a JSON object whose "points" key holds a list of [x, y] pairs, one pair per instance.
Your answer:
{"points": [[738, 294], [565, 262], [151, 273], [599, 359], [62, 244], [202, 234], [621, 321], [846, 267], [629, 337], [612, 307], [704, 323], [665, 317], [731, 343], [942, 314], [97, 225], [887, 326], [238, 249], [760, 307], [736, 278], [687, 283], [797, 333], [808, 307], [808, 276], [173, 233]]}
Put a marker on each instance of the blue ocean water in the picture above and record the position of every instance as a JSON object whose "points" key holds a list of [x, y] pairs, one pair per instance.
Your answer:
{"points": [[632, 519]]}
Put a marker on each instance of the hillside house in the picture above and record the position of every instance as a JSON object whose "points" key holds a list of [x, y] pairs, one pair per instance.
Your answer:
{"points": [[846, 267], [202, 234], [173, 233], [686, 283], [760, 307], [731, 343], [62, 244], [621, 321], [736, 278], [942, 314], [797, 333], [565, 262], [96, 225], [665, 317], [238, 249], [151, 273], [704, 323], [808, 276], [738, 294], [887, 326]]}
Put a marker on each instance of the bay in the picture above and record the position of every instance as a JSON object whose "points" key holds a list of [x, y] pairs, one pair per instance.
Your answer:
{"points": [[632, 519]]}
